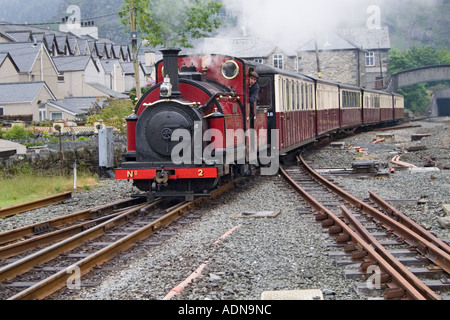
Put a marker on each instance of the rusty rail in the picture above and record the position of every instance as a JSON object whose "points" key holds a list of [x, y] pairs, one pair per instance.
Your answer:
{"points": [[408, 222], [45, 226], [415, 240], [13, 210], [363, 244], [364, 248], [19, 247], [52, 284]]}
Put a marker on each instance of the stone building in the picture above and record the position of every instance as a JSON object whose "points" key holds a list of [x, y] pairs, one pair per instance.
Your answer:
{"points": [[353, 56], [376, 45], [331, 57]]}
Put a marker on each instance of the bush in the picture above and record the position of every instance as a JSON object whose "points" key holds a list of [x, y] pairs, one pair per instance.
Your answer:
{"points": [[18, 132]]}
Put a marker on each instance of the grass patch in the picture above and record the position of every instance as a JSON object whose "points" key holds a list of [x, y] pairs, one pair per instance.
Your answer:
{"points": [[28, 187]]}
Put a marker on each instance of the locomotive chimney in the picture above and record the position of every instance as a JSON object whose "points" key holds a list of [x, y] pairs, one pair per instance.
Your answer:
{"points": [[170, 59]]}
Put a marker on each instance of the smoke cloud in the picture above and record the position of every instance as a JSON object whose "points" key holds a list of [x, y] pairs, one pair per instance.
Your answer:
{"points": [[285, 22]]}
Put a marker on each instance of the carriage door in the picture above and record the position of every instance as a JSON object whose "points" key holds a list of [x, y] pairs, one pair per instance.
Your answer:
{"points": [[286, 114]]}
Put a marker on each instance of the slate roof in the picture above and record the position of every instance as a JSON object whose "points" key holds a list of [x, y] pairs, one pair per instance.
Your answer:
{"points": [[108, 64], [3, 57], [21, 92], [328, 41], [23, 54], [20, 36], [108, 91], [147, 69], [239, 47], [71, 63], [10, 28], [368, 39], [76, 105], [127, 67]]}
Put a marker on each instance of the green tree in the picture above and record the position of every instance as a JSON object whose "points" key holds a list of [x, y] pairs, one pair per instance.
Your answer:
{"points": [[114, 113], [172, 22]]}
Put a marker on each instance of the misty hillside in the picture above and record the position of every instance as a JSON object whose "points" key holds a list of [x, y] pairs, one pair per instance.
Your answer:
{"points": [[408, 24], [412, 26]]}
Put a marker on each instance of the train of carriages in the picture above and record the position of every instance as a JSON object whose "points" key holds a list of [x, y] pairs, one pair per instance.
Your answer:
{"points": [[196, 127]]}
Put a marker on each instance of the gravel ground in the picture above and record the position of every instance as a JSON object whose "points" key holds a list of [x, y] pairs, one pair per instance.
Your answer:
{"points": [[431, 189], [287, 252]]}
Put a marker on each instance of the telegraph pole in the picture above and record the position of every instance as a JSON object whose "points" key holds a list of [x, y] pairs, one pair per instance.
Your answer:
{"points": [[134, 38], [319, 72]]}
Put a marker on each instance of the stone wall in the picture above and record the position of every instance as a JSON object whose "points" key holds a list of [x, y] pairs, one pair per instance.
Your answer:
{"points": [[345, 66], [47, 157]]}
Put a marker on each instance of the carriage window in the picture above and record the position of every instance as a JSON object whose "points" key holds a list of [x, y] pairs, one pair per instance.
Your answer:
{"points": [[288, 96], [302, 97], [265, 92], [292, 83], [307, 97], [294, 96]]}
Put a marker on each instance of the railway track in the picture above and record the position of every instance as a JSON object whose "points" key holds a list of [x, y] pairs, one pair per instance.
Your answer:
{"points": [[10, 211], [80, 244], [393, 255]]}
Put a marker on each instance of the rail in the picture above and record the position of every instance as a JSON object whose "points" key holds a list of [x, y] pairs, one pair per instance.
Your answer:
{"points": [[20, 208], [60, 279], [363, 246]]}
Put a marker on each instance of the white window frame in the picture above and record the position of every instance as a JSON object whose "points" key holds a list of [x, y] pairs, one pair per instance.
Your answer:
{"points": [[52, 114], [278, 60], [370, 59], [261, 61], [43, 113], [2, 110]]}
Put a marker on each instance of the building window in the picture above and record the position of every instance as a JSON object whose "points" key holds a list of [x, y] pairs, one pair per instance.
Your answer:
{"points": [[370, 59], [61, 77], [42, 116], [56, 116], [278, 61], [42, 113], [2, 112], [259, 61]]}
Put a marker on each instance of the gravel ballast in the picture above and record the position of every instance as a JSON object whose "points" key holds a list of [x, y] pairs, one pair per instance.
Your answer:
{"points": [[286, 252]]}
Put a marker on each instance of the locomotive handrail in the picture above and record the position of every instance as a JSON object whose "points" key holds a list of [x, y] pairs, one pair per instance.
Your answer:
{"points": [[190, 104], [214, 97]]}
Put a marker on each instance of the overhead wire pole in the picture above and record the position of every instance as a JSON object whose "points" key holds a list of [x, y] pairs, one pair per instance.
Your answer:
{"points": [[134, 38]]}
